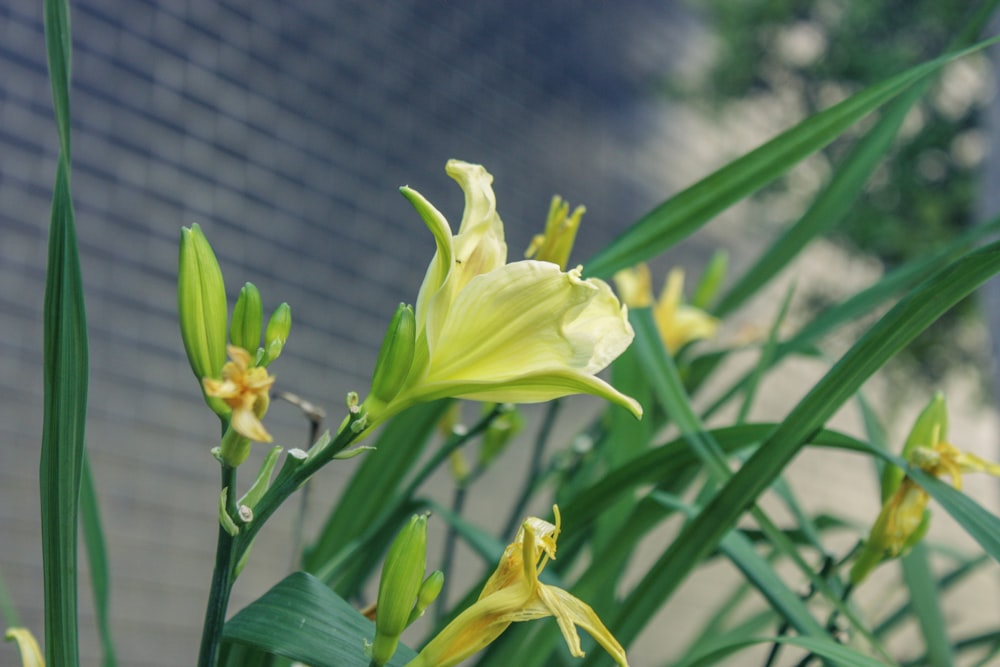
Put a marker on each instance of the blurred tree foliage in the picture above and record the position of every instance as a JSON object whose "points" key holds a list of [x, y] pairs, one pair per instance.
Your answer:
{"points": [[924, 193]]}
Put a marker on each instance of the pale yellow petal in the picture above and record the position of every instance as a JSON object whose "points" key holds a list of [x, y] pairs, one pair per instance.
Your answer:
{"points": [[437, 271], [477, 184], [972, 463], [573, 611], [246, 423], [670, 298], [529, 317], [220, 388], [677, 323], [31, 654], [526, 332], [239, 356], [474, 629], [689, 324], [539, 387]]}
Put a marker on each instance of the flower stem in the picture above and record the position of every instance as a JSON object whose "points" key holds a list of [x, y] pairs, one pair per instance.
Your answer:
{"points": [[218, 597], [514, 519], [457, 506]]}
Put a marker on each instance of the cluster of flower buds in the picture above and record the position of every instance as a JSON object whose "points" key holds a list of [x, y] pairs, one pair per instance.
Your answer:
{"points": [[236, 390]]}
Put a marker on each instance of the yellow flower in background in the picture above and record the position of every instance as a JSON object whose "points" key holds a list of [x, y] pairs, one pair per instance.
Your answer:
{"points": [[904, 519], [487, 330], [31, 654], [514, 593], [245, 390], [556, 243], [677, 322]]}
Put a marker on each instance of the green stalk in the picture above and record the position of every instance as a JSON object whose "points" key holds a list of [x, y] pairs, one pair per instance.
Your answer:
{"points": [[222, 579]]}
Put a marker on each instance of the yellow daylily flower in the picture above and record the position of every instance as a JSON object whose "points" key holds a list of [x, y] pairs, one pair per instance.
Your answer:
{"points": [[487, 330], [31, 654], [513, 593], [677, 322], [904, 518], [245, 390]]}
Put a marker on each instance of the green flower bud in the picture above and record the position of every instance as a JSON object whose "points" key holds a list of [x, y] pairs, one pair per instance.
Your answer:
{"points": [[277, 332], [201, 307], [395, 355], [930, 428], [711, 280], [402, 578], [429, 592], [248, 318]]}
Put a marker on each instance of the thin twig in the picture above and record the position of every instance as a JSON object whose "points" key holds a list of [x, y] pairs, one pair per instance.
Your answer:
{"points": [[315, 415]]}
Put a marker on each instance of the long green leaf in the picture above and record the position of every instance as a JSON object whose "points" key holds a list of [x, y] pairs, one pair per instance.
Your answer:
{"points": [[893, 332], [66, 369], [684, 213], [301, 618], [923, 594], [829, 208], [825, 648], [97, 560]]}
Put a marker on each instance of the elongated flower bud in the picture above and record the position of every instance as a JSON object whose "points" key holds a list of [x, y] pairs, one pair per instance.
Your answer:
{"points": [[278, 328], [429, 591], [248, 319], [930, 428], [402, 578], [201, 304], [395, 356]]}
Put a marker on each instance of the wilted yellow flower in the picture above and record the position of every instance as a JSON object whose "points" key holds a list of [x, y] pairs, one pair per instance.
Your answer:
{"points": [[556, 243], [904, 518], [943, 458], [677, 322], [245, 390], [514, 593], [490, 331], [31, 654]]}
